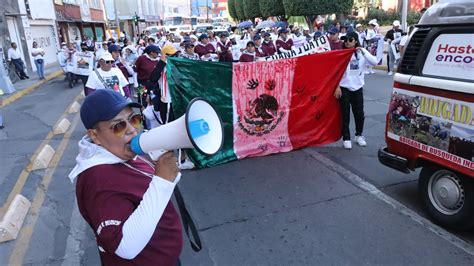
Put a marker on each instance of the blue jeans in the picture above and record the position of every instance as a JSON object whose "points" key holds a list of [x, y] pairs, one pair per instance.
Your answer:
{"points": [[18, 63], [40, 68]]}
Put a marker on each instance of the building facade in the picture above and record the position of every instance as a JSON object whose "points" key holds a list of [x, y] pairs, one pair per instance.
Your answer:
{"points": [[77, 19], [28, 21]]}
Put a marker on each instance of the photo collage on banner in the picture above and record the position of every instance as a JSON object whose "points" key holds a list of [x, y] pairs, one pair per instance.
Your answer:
{"points": [[439, 126]]}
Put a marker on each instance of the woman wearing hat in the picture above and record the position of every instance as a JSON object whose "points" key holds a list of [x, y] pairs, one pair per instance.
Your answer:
{"points": [[392, 35], [283, 44], [146, 63], [204, 49], [371, 41], [268, 47], [350, 90], [224, 48]]}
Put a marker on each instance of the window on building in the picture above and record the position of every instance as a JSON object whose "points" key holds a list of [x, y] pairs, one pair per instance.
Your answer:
{"points": [[95, 4]]}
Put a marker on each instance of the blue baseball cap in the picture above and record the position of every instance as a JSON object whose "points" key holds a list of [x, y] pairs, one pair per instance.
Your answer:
{"points": [[103, 105], [203, 36], [333, 30], [114, 48], [152, 48]]}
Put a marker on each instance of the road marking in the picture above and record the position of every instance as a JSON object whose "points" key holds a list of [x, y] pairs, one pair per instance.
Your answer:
{"points": [[22, 242], [374, 191], [21, 180]]}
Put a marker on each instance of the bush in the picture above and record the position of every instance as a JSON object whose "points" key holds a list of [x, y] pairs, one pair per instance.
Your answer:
{"points": [[385, 18]]}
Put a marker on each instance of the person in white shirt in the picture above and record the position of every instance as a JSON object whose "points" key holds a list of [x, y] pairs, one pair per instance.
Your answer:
{"points": [[107, 77], [350, 90], [38, 56], [14, 56]]}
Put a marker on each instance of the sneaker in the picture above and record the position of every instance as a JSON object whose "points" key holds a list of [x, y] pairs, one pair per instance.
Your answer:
{"points": [[361, 141], [390, 73], [372, 71], [347, 144], [367, 72], [186, 165]]}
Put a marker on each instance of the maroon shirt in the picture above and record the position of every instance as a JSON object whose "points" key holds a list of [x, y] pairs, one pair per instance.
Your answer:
{"points": [[226, 53], [337, 45], [268, 48], [245, 57], [201, 49], [284, 44], [111, 192], [144, 67], [259, 52]]}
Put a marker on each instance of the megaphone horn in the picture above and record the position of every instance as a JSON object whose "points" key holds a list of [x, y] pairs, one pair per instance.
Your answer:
{"points": [[199, 128]]}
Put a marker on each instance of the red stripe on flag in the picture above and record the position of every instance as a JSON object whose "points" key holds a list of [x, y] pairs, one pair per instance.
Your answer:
{"points": [[315, 116]]}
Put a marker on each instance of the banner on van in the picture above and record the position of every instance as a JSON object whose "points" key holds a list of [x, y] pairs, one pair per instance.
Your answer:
{"points": [[451, 55], [439, 126]]}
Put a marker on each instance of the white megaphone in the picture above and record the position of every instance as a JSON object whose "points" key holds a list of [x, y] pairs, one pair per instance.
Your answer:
{"points": [[199, 128]]}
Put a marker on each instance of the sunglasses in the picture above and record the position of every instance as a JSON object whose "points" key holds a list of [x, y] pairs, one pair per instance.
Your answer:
{"points": [[109, 62], [135, 120]]}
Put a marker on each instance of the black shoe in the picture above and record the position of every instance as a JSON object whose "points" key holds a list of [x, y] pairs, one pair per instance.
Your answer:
{"points": [[27, 77], [22, 78]]}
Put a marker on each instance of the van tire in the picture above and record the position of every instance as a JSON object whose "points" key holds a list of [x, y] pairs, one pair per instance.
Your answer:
{"points": [[451, 206]]}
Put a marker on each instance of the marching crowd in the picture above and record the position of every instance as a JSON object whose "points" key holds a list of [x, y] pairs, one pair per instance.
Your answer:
{"points": [[137, 70]]}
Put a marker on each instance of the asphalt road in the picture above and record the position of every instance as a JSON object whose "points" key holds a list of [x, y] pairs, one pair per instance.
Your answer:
{"points": [[321, 205]]}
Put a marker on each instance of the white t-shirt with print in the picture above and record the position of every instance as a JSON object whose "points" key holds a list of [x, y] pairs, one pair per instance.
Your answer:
{"points": [[114, 79]]}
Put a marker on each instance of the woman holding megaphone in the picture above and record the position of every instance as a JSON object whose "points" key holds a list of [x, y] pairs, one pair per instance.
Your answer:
{"points": [[125, 198]]}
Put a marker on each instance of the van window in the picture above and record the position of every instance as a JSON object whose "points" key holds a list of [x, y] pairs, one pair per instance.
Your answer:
{"points": [[451, 56]]}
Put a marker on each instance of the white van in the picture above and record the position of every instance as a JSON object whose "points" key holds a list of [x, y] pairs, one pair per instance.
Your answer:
{"points": [[430, 121]]}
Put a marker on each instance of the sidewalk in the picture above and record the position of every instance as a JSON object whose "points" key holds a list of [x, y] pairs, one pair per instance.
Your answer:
{"points": [[24, 87]]}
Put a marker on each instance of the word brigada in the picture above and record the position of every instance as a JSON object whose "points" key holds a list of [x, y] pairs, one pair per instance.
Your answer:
{"points": [[319, 45]]}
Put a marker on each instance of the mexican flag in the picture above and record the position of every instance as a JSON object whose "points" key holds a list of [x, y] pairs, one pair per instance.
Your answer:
{"points": [[265, 107]]}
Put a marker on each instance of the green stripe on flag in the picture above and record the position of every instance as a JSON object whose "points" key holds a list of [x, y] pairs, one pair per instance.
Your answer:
{"points": [[188, 79]]}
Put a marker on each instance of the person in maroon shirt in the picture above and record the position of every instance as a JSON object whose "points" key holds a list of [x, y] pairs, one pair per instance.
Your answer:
{"points": [[123, 197], [224, 48], [204, 49], [268, 47], [248, 55], [146, 63], [283, 44], [258, 46], [333, 36]]}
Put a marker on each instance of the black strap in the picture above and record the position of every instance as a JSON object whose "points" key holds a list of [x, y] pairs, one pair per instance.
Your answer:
{"points": [[188, 222]]}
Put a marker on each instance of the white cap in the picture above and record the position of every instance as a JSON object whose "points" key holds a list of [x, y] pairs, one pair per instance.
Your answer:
{"points": [[193, 36], [358, 25], [373, 22], [306, 28], [396, 23], [106, 57]]}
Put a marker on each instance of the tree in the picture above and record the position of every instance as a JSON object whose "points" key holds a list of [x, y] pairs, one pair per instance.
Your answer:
{"points": [[310, 9], [239, 8], [270, 8], [252, 9], [231, 7]]}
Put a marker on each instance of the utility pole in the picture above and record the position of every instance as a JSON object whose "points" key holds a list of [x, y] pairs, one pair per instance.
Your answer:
{"points": [[207, 11], [404, 15], [117, 20]]}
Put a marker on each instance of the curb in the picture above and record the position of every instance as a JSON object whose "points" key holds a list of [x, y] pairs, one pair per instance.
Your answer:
{"points": [[30, 89]]}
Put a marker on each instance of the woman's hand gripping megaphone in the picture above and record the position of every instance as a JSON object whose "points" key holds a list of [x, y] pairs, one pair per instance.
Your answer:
{"points": [[167, 166]]}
